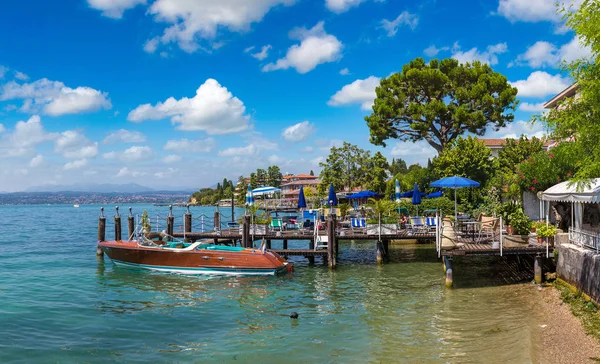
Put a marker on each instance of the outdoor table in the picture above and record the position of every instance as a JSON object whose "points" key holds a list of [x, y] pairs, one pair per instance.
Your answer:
{"points": [[471, 226]]}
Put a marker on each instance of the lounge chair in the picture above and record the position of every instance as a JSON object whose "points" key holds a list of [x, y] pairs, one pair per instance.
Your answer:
{"points": [[358, 224], [430, 222], [276, 224], [416, 224]]}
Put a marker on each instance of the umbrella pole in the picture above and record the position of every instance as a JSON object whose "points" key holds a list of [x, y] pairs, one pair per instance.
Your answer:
{"points": [[455, 209]]}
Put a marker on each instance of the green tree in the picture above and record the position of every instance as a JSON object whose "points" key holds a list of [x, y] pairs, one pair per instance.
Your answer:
{"points": [[242, 187], [398, 166], [377, 173], [312, 173], [466, 157], [261, 177], [515, 151], [440, 100], [345, 166], [253, 180], [274, 176], [416, 174], [577, 118]]}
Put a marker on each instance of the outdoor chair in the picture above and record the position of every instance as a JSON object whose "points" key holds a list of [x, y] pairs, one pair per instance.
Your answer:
{"points": [[276, 224], [416, 224], [358, 224], [430, 222]]}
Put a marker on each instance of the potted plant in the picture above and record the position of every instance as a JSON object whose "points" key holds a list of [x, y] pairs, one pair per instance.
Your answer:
{"points": [[546, 231], [521, 226], [536, 224], [146, 228]]}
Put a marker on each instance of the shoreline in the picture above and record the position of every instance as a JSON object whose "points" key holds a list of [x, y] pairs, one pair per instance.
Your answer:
{"points": [[562, 337]]}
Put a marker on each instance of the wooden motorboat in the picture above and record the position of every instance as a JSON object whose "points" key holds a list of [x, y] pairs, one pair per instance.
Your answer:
{"points": [[197, 258]]}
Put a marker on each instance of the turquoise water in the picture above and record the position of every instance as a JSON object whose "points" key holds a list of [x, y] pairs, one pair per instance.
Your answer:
{"points": [[60, 303]]}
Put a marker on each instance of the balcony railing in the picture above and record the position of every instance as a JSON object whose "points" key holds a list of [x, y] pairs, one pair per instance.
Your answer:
{"points": [[586, 239]]}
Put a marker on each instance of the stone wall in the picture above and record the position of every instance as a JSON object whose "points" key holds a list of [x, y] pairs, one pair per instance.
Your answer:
{"points": [[581, 268]]}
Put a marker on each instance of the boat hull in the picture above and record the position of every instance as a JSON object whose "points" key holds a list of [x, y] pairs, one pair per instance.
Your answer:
{"points": [[197, 261]]}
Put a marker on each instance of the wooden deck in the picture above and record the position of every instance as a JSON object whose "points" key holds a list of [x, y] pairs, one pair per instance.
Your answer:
{"points": [[303, 235]]}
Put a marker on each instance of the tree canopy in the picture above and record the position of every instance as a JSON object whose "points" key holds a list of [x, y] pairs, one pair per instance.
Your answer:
{"points": [[515, 151], [467, 157], [578, 118], [345, 167], [440, 100]]}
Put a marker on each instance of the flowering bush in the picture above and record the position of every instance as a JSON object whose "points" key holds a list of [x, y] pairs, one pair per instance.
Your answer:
{"points": [[545, 169]]}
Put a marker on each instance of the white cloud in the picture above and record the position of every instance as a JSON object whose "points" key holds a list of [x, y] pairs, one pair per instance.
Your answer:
{"points": [[171, 158], [3, 71], [405, 18], [132, 154], [114, 8], [515, 129], [21, 76], [256, 145], [432, 50], [54, 98], [125, 136], [151, 45], [191, 146], [36, 161], [276, 160], [340, 6], [317, 160], [298, 132], [76, 164], [213, 109], [541, 84], [316, 47], [307, 149], [125, 172], [344, 71], [25, 137], [545, 54], [358, 92], [489, 56], [73, 144], [327, 144], [532, 10], [526, 106], [169, 172], [2, 129], [264, 52], [191, 21], [413, 153]]}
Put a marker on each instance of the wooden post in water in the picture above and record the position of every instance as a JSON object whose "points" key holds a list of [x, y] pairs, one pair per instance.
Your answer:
{"points": [[386, 250], [537, 269], [217, 220], [187, 223], [117, 225], [379, 253], [101, 231], [448, 268], [331, 256], [245, 231], [130, 225], [285, 245], [268, 243]]}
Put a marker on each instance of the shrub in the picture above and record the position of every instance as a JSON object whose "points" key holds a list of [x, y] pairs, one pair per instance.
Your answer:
{"points": [[520, 223], [546, 231]]}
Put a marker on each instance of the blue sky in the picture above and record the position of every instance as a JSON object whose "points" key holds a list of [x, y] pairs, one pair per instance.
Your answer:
{"points": [[181, 93]]}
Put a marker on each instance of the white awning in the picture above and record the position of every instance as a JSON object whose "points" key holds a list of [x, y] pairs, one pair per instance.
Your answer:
{"points": [[265, 190], [564, 193]]}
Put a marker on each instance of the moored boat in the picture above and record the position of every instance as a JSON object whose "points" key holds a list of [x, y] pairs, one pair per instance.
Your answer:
{"points": [[196, 258]]}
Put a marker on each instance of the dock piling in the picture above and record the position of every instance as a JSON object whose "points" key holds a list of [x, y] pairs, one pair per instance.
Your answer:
{"points": [[117, 225], [331, 241], [537, 269], [246, 231], [448, 269], [379, 253], [130, 225], [101, 231], [187, 222], [217, 220]]}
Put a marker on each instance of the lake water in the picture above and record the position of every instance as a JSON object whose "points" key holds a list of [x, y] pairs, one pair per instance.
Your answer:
{"points": [[60, 303]]}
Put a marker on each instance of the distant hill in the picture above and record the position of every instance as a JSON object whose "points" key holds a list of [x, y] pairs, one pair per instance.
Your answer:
{"points": [[98, 188]]}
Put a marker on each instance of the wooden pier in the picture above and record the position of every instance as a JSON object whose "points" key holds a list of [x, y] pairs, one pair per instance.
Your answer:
{"points": [[322, 243]]}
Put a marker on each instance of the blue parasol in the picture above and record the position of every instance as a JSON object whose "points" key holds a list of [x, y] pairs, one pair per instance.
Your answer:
{"points": [[435, 194], [397, 190], [416, 197], [249, 197], [332, 199], [455, 182], [301, 199]]}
